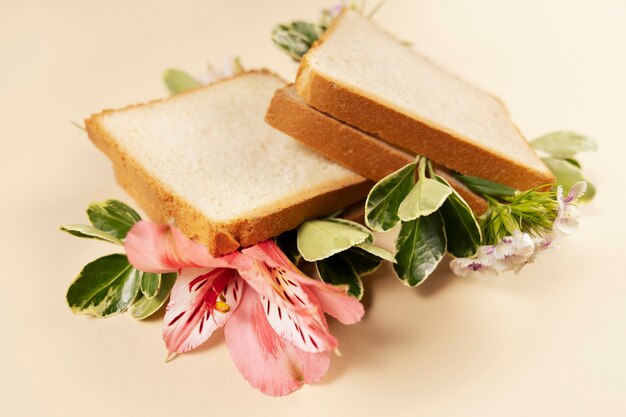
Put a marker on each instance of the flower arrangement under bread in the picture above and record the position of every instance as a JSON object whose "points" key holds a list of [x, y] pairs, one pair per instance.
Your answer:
{"points": [[249, 180]]}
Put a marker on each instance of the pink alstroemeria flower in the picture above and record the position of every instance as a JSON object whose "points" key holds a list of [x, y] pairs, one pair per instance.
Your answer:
{"points": [[273, 315]]}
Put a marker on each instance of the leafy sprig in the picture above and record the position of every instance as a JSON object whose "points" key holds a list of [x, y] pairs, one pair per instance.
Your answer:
{"points": [[111, 285], [297, 37], [428, 210], [531, 211]]}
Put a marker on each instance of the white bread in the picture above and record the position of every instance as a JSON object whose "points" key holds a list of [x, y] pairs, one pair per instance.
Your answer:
{"points": [[361, 75], [207, 160], [362, 153]]}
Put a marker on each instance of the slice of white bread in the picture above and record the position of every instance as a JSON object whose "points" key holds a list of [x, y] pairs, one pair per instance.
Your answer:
{"points": [[207, 160], [361, 75], [356, 150]]}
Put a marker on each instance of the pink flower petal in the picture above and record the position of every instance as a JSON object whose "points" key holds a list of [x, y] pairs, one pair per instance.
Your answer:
{"points": [[162, 248], [201, 301], [334, 300], [265, 360], [269, 253], [337, 302], [291, 308]]}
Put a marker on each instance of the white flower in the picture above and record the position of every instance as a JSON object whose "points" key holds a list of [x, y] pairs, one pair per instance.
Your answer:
{"points": [[230, 67], [511, 254], [567, 218], [542, 244], [481, 262], [520, 244]]}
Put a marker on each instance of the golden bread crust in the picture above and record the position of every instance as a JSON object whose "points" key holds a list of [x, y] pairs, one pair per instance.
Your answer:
{"points": [[435, 142], [162, 204], [364, 154]]}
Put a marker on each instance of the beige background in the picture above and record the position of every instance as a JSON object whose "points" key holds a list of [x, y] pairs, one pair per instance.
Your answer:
{"points": [[548, 342]]}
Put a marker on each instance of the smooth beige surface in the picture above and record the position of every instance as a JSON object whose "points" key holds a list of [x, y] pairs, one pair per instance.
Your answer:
{"points": [[549, 342]]}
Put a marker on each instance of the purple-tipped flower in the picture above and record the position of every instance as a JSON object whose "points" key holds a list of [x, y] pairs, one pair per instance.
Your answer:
{"points": [[481, 262], [510, 254], [567, 219]]}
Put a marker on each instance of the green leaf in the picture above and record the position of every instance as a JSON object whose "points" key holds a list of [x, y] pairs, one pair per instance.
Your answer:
{"points": [[358, 226], [564, 144], [485, 187], [363, 262], [384, 199], [145, 307], [574, 162], [287, 242], [178, 81], [377, 251], [337, 270], [319, 239], [425, 198], [421, 245], [90, 232], [150, 284], [463, 233], [347, 268], [297, 37], [104, 287], [568, 174], [590, 193], [113, 217]]}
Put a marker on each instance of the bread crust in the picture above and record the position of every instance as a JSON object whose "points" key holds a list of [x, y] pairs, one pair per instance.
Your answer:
{"points": [[163, 205], [382, 120], [356, 150]]}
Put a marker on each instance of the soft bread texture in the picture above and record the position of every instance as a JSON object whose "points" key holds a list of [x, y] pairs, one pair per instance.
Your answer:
{"points": [[356, 150], [207, 160], [361, 75]]}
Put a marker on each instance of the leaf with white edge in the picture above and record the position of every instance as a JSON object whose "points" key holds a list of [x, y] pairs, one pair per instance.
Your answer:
{"points": [[90, 232], [384, 199], [421, 245], [337, 270], [319, 239], [425, 198], [377, 251], [567, 175], [145, 307], [150, 284], [363, 262], [178, 81], [113, 217], [297, 37], [564, 144], [370, 236], [463, 233], [482, 186], [104, 287]]}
